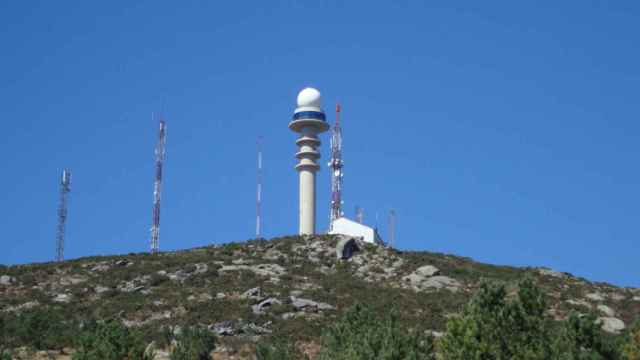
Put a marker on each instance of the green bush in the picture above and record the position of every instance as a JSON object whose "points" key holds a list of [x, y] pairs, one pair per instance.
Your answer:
{"points": [[42, 329], [362, 334], [491, 327], [582, 338], [631, 347], [275, 351], [194, 343], [110, 340]]}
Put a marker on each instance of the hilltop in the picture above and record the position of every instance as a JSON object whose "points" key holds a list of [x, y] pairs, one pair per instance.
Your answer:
{"points": [[288, 287]]}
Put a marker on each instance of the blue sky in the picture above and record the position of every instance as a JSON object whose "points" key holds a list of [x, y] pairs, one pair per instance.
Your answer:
{"points": [[503, 131]]}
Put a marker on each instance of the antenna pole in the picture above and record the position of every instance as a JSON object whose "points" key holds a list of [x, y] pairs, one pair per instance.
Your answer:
{"points": [[259, 190], [359, 214], [65, 188], [157, 187], [336, 165], [392, 229]]}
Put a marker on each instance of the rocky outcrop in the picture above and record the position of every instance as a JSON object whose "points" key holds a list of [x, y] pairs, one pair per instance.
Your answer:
{"points": [[306, 304], [611, 324], [7, 280], [426, 278], [261, 307]]}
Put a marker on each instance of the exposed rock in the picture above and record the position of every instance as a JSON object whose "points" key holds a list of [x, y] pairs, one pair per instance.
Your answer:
{"points": [[271, 270], [611, 324], [636, 298], [204, 297], [441, 282], [101, 289], [72, 280], [435, 334], [421, 280], [552, 273], [596, 296], [7, 280], [62, 298], [616, 297], [201, 268], [346, 247], [129, 287], [25, 306], [260, 307], [427, 270], [289, 315], [306, 304], [253, 294], [579, 302], [123, 263], [101, 267], [223, 328], [606, 310], [221, 295]]}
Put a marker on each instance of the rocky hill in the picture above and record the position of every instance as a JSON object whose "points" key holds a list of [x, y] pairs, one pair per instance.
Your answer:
{"points": [[289, 287]]}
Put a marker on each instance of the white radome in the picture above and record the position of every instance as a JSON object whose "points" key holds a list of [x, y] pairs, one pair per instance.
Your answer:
{"points": [[309, 97]]}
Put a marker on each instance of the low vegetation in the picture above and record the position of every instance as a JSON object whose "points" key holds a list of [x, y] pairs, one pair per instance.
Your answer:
{"points": [[118, 305]]}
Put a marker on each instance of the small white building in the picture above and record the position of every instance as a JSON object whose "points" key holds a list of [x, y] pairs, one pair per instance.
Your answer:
{"points": [[352, 228]]}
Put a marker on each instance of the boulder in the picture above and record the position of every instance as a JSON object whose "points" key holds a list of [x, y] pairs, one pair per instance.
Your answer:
{"points": [[549, 272], [62, 298], [306, 304], [441, 282], [346, 247], [606, 310], [579, 302], [7, 280], [596, 296], [253, 294], [261, 307], [427, 271], [224, 328], [611, 324]]}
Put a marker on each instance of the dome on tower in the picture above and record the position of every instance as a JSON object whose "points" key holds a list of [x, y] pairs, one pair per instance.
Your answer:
{"points": [[309, 97]]}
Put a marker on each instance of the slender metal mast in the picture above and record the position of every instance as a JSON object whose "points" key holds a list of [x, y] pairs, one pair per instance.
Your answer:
{"points": [[359, 214], [65, 188], [259, 190], [336, 165], [392, 229], [157, 187]]}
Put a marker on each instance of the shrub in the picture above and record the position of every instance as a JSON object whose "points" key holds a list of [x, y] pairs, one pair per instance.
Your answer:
{"points": [[110, 340], [582, 338], [490, 327], [631, 348], [42, 329], [194, 343], [361, 334], [274, 351]]}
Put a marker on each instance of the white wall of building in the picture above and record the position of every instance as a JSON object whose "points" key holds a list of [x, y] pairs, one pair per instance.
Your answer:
{"points": [[352, 228]]}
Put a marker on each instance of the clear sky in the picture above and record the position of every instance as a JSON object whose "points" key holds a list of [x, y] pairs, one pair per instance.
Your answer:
{"points": [[503, 131]]}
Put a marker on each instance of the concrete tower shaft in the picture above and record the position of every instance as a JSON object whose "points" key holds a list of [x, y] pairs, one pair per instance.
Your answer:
{"points": [[308, 121]]}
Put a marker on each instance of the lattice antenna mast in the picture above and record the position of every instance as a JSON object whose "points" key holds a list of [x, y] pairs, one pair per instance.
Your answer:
{"points": [[392, 229], [259, 190], [336, 165], [65, 188], [157, 187]]}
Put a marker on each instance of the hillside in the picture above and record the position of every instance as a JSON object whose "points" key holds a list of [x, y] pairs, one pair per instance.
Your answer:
{"points": [[289, 287]]}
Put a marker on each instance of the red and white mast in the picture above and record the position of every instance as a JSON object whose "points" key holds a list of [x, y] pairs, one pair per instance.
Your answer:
{"points": [[157, 187], [336, 165]]}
